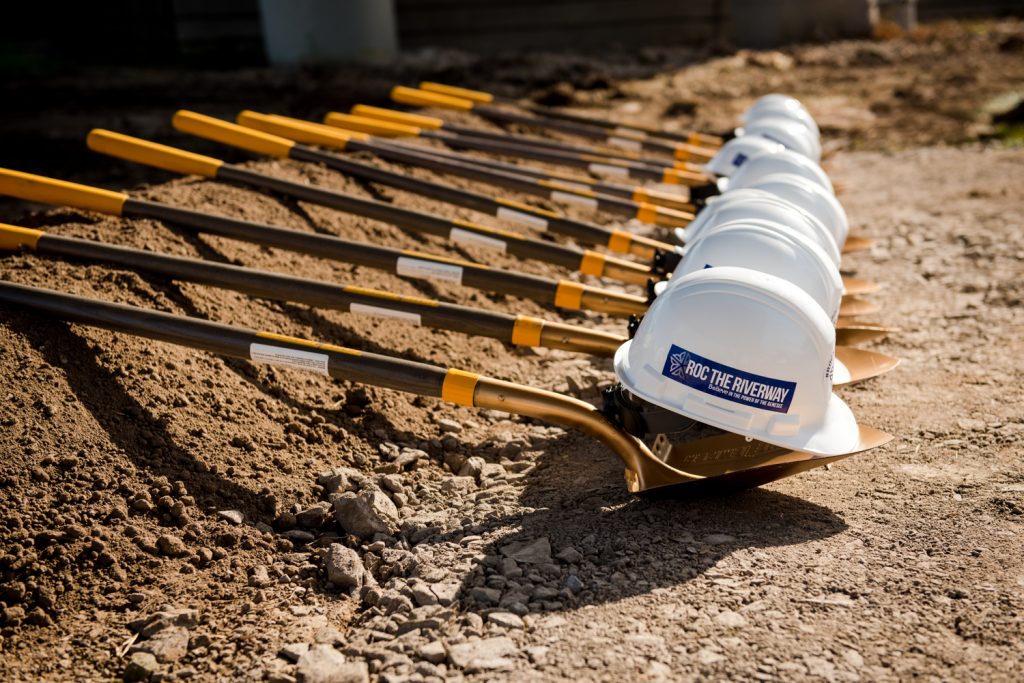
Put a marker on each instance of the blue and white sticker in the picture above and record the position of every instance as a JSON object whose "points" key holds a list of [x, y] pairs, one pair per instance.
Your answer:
{"points": [[731, 384], [738, 160]]}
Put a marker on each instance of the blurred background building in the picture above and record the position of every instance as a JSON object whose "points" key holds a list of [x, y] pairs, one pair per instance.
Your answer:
{"points": [[256, 32]]}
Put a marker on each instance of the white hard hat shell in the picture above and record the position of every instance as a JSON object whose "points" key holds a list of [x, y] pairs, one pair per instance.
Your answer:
{"points": [[746, 352], [760, 204], [785, 109], [767, 247], [780, 161], [810, 197], [737, 151], [790, 133]]}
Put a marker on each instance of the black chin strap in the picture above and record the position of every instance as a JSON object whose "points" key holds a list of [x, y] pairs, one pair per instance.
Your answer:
{"points": [[640, 418]]}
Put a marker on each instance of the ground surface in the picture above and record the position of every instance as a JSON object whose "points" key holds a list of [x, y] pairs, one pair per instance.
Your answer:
{"points": [[119, 458]]}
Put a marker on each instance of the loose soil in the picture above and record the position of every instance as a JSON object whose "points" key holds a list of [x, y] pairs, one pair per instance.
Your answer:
{"points": [[120, 458]]}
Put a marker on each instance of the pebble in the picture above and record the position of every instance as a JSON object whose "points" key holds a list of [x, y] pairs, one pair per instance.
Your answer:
{"points": [[232, 516], [488, 654], [730, 619], [529, 552], [293, 651], [341, 479], [171, 546], [506, 620], [433, 652], [570, 555], [449, 426], [324, 664], [260, 577], [141, 667], [344, 566], [447, 592], [356, 515], [167, 645], [573, 583], [473, 467], [486, 596]]}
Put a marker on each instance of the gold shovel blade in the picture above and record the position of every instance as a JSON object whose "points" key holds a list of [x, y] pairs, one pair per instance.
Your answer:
{"points": [[853, 306], [862, 364], [852, 333], [859, 285], [857, 243]]}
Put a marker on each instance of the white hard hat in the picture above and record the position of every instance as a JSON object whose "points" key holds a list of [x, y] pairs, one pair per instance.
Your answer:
{"points": [[786, 107], [760, 204], [775, 100], [737, 151], [767, 247], [745, 352], [780, 161], [790, 133], [810, 197]]}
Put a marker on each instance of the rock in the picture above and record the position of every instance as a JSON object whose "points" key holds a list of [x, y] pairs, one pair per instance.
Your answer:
{"points": [[718, 539], [141, 667], [293, 651], [171, 546], [505, 620], [168, 617], [232, 516], [447, 592], [341, 479], [510, 568], [407, 457], [486, 596], [473, 467], [730, 619], [482, 655], [356, 514], [529, 552], [324, 664], [167, 645], [573, 583], [454, 461], [280, 677], [433, 652], [422, 593], [260, 577], [299, 536], [344, 567], [313, 517], [538, 654], [570, 555], [449, 426]]}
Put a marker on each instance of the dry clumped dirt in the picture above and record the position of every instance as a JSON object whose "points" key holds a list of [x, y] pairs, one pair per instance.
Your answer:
{"points": [[172, 515]]}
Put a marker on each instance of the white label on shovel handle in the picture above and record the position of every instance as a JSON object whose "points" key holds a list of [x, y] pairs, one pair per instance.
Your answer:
{"points": [[468, 237], [428, 270], [377, 311], [571, 198], [520, 217], [608, 169], [625, 144], [289, 358]]}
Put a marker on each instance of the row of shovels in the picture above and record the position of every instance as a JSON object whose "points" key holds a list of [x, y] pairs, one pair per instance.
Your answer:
{"points": [[607, 253]]}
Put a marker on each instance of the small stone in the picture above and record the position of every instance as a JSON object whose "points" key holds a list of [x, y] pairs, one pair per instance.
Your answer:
{"points": [[486, 596], [168, 617], [293, 651], [366, 515], [730, 619], [505, 620], [344, 566], [449, 426], [573, 583], [167, 645], [433, 652], [313, 517], [570, 555], [341, 479], [529, 552], [422, 594], [141, 667], [171, 546], [324, 664], [473, 467], [538, 654], [232, 516], [260, 577], [488, 654], [718, 539], [447, 592]]}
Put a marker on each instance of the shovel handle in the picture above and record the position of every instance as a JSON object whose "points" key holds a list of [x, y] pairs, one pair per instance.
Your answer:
{"points": [[373, 126], [306, 132], [152, 154], [477, 96], [232, 134], [13, 238], [422, 98], [404, 117], [34, 188]]}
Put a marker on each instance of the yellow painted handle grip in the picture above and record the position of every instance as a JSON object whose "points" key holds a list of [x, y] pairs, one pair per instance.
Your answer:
{"points": [[232, 134], [36, 188], [422, 98], [385, 129], [478, 96], [152, 154], [305, 132], [404, 117], [13, 238]]}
